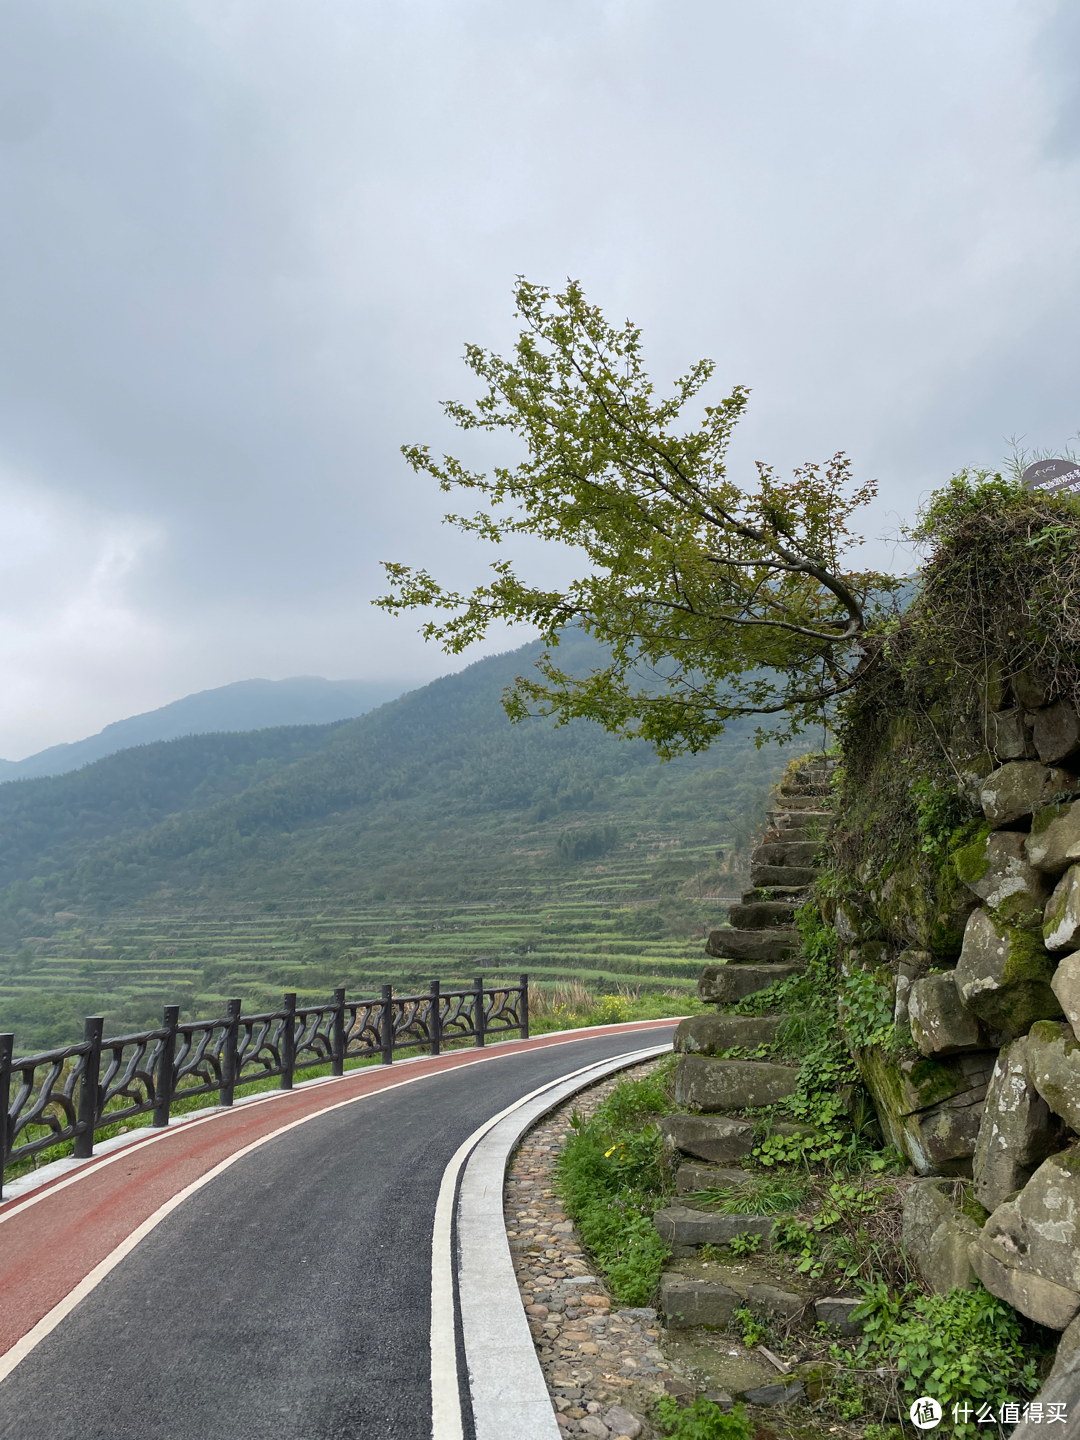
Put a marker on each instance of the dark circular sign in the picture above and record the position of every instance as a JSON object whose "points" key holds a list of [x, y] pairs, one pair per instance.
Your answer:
{"points": [[1053, 476]]}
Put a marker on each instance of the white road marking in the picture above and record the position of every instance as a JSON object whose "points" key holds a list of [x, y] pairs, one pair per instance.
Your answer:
{"points": [[49, 1321], [445, 1381]]}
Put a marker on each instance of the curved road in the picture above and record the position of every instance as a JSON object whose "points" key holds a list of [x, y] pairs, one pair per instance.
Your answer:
{"points": [[289, 1296]]}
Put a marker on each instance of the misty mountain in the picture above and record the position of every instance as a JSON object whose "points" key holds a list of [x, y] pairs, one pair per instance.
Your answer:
{"points": [[245, 705], [382, 802]]}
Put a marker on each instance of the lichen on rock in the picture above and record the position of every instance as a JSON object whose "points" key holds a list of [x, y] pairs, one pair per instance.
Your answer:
{"points": [[1003, 976], [1054, 842]]}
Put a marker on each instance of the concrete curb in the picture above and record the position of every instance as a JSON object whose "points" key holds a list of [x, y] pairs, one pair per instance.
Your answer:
{"points": [[507, 1387]]}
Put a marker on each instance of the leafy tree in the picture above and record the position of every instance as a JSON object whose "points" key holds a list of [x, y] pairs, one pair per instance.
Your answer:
{"points": [[713, 602]]}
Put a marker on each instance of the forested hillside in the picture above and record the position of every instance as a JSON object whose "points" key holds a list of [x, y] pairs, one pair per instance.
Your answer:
{"points": [[218, 864], [47, 824]]}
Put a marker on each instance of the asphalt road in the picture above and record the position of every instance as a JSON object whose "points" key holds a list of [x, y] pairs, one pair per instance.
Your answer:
{"points": [[290, 1297]]}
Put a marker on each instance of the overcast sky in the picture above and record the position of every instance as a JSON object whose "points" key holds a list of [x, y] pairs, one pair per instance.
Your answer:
{"points": [[244, 242]]}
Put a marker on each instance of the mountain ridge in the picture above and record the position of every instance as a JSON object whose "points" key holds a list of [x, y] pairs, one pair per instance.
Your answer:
{"points": [[243, 705], [322, 812]]}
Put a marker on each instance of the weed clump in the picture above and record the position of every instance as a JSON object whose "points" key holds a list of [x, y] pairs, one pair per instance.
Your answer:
{"points": [[612, 1180], [967, 1346], [701, 1421]]}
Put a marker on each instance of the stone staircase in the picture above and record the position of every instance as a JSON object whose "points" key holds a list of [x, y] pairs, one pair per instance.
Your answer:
{"points": [[759, 947], [761, 944], [710, 1142]]}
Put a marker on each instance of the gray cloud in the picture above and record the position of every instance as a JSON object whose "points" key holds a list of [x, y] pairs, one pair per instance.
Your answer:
{"points": [[243, 243]]}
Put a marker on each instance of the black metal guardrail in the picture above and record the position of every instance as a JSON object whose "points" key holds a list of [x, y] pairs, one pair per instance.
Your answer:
{"points": [[69, 1093]]}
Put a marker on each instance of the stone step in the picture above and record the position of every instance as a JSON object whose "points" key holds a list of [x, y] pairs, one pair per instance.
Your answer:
{"points": [[799, 819], [766, 915], [793, 895], [751, 945], [725, 984], [786, 852], [789, 876], [708, 1034], [785, 834], [722, 1086], [679, 1225], [719, 1139], [693, 1175], [799, 802], [764, 1300], [804, 792]]}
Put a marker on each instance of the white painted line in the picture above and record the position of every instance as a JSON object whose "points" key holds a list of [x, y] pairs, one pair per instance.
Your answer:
{"points": [[48, 1322], [489, 1318], [507, 1387], [15, 1203]]}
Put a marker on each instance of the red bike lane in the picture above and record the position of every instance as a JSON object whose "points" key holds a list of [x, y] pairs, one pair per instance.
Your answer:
{"points": [[53, 1238]]}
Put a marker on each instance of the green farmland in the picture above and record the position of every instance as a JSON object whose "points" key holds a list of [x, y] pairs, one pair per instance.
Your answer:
{"points": [[602, 925]]}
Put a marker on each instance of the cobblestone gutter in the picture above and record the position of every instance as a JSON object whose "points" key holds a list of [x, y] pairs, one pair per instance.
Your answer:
{"points": [[602, 1366]]}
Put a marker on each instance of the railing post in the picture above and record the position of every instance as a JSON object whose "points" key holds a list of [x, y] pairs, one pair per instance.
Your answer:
{"points": [[228, 1053], [387, 1025], [288, 1041], [524, 1007], [337, 1034], [7, 1048], [164, 1084], [89, 1087], [435, 1025], [478, 1010]]}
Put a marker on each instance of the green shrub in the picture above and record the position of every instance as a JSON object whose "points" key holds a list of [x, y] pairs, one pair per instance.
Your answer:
{"points": [[701, 1421], [867, 1008], [965, 1346], [613, 1010], [762, 1195], [751, 1329]]}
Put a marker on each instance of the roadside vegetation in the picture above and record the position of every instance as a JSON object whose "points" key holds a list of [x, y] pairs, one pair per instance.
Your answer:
{"points": [[835, 1189], [612, 1180]]}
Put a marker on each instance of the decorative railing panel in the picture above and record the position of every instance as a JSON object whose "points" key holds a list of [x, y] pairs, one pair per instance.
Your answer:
{"points": [[70, 1093]]}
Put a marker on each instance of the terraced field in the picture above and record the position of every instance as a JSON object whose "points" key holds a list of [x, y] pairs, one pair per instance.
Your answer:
{"points": [[430, 839], [601, 924]]}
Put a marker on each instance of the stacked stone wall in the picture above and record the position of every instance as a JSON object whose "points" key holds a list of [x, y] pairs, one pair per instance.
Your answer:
{"points": [[982, 961]]}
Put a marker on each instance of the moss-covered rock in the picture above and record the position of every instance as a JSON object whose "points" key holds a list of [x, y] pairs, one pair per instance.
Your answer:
{"points": [[1054, 842], [1053, 1058], [1003, 976], [971, 859], [931, 915], [1061, 918], [929, 1109], [855, 919], [1019, 788], [994, 867]]}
